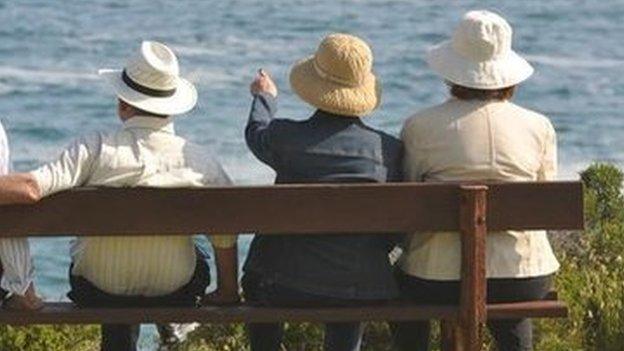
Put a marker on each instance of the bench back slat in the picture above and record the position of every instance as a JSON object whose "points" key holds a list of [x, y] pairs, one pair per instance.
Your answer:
{"points": [[296, 209]]}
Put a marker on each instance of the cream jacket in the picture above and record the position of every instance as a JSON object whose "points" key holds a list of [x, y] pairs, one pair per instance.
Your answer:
{"points": [[477, 140], [144, 152]]}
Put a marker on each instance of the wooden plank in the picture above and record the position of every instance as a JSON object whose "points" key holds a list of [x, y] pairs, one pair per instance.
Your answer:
{"points": [[549, 205], [528, 309], [472, 315], [296, 209], [548, 308], [67, 313]]}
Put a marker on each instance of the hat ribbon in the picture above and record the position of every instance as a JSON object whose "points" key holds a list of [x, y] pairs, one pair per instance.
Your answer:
{"points": [[145, 90], [332, 78]]}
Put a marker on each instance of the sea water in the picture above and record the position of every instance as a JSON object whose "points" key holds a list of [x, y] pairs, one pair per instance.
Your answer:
{"points": [[50, 52]]}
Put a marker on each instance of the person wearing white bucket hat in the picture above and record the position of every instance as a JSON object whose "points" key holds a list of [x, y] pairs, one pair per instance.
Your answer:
{"points": [[145, 151], [333, 145], [478, 134]]}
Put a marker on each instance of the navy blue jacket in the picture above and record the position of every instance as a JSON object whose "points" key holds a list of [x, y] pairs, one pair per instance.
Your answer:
{"points": [[325, 148]]}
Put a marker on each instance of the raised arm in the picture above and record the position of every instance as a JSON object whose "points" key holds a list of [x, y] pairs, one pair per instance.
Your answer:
{"points": [[258, 132]]}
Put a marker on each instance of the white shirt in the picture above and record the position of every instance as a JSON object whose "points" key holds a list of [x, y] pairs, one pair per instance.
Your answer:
{"points": [[478, 140], [144, 152], [14, 252]]}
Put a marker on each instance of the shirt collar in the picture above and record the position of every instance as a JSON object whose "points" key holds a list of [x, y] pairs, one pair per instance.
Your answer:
{"points": [[153, 123]]}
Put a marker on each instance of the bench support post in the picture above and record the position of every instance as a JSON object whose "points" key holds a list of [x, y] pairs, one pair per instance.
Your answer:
{"points": [[465, 333]]}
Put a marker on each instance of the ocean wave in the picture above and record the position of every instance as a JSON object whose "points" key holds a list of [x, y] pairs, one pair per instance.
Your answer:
{"points": [[198, 50], [213, 78], [41, 76], [573, 62]]}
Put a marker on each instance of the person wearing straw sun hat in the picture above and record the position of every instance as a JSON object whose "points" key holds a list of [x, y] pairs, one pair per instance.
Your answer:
{"points": [[145, 270], [478, 134], [333, 145]]}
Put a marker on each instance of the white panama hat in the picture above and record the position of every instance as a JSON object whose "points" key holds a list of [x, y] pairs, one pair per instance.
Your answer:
{"points": [[151, 82], [479, 55]]}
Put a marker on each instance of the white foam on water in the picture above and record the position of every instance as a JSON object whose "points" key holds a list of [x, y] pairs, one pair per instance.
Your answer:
{"points": [[574, 62], [199, 49], [5, 89], [214, 78], [41, 76]]}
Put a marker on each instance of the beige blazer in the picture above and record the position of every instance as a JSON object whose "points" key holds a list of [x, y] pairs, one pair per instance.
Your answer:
{"points": [[479, 140]]}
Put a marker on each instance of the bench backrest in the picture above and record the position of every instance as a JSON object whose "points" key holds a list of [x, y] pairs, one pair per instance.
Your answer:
{"points": [[295, 209], [307, 209]]}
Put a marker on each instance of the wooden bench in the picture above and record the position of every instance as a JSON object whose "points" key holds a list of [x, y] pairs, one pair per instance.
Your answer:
{"points": [[311, 209]]}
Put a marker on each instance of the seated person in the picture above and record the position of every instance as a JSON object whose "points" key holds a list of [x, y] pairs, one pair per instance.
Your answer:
{"points": [[145, 151], [478, 135], [334, 145]]}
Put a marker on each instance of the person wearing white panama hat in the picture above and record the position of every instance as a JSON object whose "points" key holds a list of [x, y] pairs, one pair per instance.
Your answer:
{"points": [[151, 82], [333, 145], [478, 134], [145, 151]]}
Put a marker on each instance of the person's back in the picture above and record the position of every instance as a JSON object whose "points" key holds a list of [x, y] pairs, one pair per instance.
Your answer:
{"points": [[329, 148], [474, 140], [144, 152], [478, 140], [333, 148]]}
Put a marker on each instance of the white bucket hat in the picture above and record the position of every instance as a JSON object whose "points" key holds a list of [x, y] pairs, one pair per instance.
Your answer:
{"points": [[479, 55], [151, 82]]}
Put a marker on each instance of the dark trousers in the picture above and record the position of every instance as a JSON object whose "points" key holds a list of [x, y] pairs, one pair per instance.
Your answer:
{"points": [[510, 334], [268, 336], [123, 337]]}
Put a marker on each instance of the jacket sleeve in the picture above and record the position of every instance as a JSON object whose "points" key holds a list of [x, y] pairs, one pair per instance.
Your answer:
{"points": [[413, 157], [72, 168], [260, 128], [548, 167]]}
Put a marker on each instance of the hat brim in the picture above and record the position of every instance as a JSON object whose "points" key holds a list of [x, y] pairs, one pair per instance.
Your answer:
{"points": [[499, 73], [182, 101], [333, 97]]}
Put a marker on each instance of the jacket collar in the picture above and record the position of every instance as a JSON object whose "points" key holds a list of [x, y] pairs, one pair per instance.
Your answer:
{"points": [[320, 114], [152, 123]]}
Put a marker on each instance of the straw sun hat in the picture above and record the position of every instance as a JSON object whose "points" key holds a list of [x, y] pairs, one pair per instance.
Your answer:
{"points": [[339, 77], [479, 55], [151, 82]]}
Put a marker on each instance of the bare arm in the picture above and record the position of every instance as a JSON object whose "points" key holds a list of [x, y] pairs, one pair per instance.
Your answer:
{"points": [[19, 188]]}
